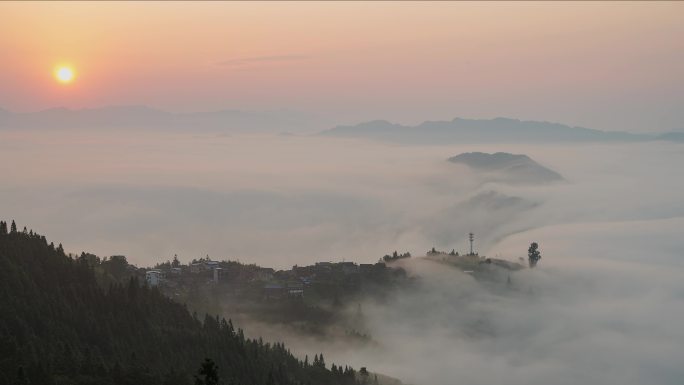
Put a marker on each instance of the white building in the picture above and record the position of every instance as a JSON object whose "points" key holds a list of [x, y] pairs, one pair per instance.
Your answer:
{"points": [[217, 274], [295, 289], [196, 267], [153, 277]]}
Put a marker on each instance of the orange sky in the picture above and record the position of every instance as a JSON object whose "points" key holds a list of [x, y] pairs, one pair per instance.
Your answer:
{"points": [[610, 66]]}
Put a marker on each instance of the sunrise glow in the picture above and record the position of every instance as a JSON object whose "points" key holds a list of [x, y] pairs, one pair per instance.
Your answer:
{"points": [[423, 192], [64, 74]]}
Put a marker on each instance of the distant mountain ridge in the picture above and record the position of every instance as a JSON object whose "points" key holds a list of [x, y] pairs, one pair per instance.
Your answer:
{"points": [[457, 130], [146, 117], [673, 136], [503, 166], [461, 130]]}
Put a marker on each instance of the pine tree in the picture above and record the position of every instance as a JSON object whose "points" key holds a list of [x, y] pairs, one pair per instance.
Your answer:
{"points": [[13, 228], [209, 371], [533, 254], [21, 378]]}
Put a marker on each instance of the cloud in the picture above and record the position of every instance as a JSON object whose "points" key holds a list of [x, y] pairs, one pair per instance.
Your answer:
{"points": [[311, 197], [604, 307], [583, 319]]}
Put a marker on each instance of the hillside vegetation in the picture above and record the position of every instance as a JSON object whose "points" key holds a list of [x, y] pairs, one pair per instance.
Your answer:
{"points": [[58, 325]]}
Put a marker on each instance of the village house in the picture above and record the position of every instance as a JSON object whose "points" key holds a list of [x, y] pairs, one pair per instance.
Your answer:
{"points": [[295, 289], [348, 267], [196, 267], [274, 291], [263, 274], [217, 274], [324, 266], [153, 277], [366, 267]]}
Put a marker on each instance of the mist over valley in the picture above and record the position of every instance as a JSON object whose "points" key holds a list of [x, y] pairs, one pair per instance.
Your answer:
{"points": [[606, 254], [341, 193]]}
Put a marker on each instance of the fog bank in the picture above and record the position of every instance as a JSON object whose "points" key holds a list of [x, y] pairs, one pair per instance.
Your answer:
{"points": [[283, 200]]}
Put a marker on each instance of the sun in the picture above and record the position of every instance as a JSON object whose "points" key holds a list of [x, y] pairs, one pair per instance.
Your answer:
{"points": [[64, 74]]}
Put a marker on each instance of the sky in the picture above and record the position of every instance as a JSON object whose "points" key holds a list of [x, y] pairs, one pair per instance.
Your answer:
{"points": [[611, 66], [605, 304]]}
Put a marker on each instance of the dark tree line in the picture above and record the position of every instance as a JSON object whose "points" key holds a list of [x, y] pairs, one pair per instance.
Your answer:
{"points": [[395, 256], [59, 325]]}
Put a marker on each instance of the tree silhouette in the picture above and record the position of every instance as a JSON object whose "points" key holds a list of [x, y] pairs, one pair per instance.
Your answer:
{"points": [[209, 371], [21, 377], [533, 254]]}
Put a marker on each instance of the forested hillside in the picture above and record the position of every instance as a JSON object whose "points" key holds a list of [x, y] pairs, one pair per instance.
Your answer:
{"points": [[59, 326]]}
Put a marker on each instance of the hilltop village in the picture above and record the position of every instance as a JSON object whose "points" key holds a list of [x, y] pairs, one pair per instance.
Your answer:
{"points": [[332, 280], [323, 279], [310, 294], [313, 298]]}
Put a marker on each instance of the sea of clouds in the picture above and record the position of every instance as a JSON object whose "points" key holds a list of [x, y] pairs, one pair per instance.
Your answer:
{"points": [[605, 305]]}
